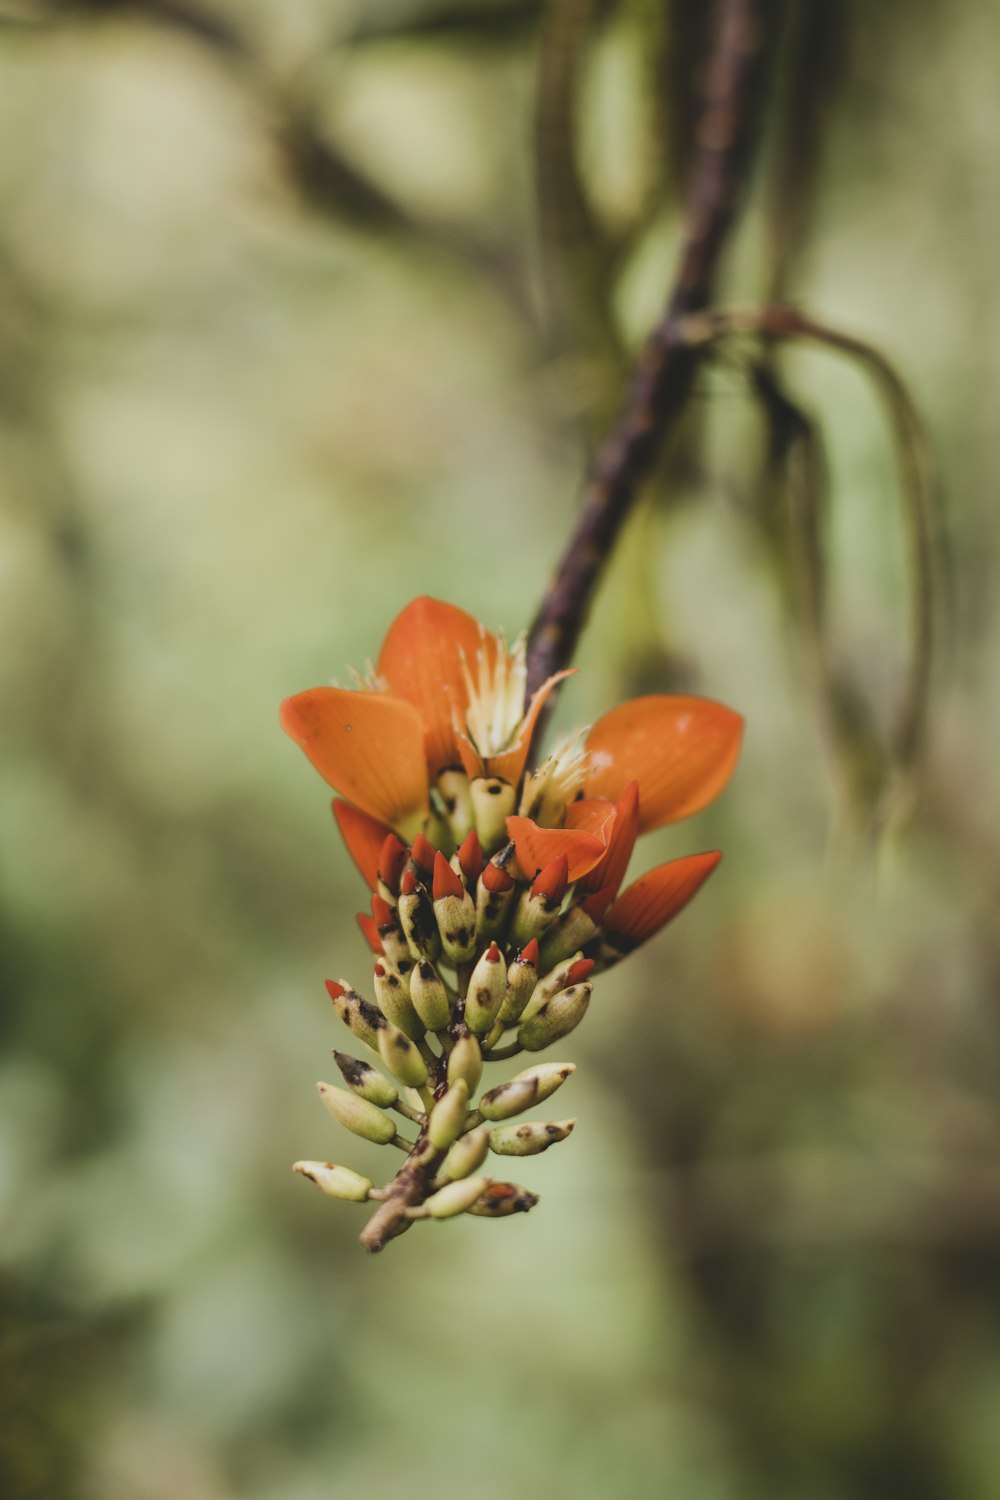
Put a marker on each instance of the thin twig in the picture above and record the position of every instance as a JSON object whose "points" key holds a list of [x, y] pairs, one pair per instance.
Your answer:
{"points": [[663, 371]]}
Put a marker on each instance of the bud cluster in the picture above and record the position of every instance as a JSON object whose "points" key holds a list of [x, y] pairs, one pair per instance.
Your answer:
{"points": [[474, 964]]}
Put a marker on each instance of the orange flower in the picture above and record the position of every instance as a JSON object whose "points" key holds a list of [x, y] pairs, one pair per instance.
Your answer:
{"points": [[437, 746]]}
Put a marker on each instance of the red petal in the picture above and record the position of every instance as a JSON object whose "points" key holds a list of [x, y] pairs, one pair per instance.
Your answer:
{"points": [[529, 954], [391, 861], [368, 746], [509, 765], [383, 912], [536, 847], [446, 882], [421, 660], [647, 905], [496, 879], [553, 880], [470, 858], [682, 751], [364, 837], [610, 871], [369, 927], [423, 853]]}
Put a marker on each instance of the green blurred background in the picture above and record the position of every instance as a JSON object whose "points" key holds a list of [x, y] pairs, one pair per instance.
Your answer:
{"points": [[286, 339]]}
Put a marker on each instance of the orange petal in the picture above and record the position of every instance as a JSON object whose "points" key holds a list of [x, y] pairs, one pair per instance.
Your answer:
{"points": [[509, 764], [364, 837], [472, 763], [651, 901], [682, 751], [368, 746], [537, 847], [610, 870], [421, 660], [369, 927]]}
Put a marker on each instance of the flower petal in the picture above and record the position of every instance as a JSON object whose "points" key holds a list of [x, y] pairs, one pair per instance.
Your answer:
{"points": [[368, 746], [509, 764], [537, 847], [681, 750], [364, 837], [369, 927], [652, 900], [421, 660], [610, 869]]}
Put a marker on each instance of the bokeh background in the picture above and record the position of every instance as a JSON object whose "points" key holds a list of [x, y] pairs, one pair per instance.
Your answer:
{"points": [[306, 308]]}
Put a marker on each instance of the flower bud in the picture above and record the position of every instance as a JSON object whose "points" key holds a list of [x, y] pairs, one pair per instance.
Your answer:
{"points": [[466, 1061], [334, 1181], [529, 1138], [571, 931], [555, 1018], [429, 997], [456, 797], [539, 905], [508, 1099], [394, 1002], [548, 1076], [448, 1115], [416, 915], [455, 912], [495, 894], [394, 944], [362, 1079], [487, 987], [360, 1017], [492, 802], [390, 867], [357, 1114], [559, 978], [456, 1197], [502, 1199], [467, 1154], [401, 1057], [522, 976]]}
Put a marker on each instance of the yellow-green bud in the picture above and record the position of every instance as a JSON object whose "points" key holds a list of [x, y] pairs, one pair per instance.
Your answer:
{"points": [[456, 919], [521, 980], [466, 1061], [548, 1076], [417, 916], [467, 1154], [401, 1057], [456, 1197], [493, 802], [448, 1115], [530, 1138], [429, 996], [334, 1181], [503, 1198], [394, 1001], [487, 987], [549, 985], [555, 1018], [508, 1099], [363, 1019], [357, 1114], [573, 930], [361, 1078], [455, 793]]}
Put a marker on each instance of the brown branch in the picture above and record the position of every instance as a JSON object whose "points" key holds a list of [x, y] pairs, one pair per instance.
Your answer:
{"points": [[663, 371]]}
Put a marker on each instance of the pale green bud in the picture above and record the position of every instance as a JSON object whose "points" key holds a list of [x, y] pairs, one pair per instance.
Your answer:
{"points": [[456, 795], [570, 933], [534, 914], [334, 1181], [555, 1019], [361, 1078], [395, 1003], [363, 1019], [503, 1198], [357, 1114], [466, 1061], [448, 1115], [416, 913], [456, 919], [493, 802], [549, 985], [396, 948], [548, 1076], [508, 1099], [487, 987], [521, 981], [429, 996], [456, 1197], [401, 1057], [467, 1154], [529, 1138]]}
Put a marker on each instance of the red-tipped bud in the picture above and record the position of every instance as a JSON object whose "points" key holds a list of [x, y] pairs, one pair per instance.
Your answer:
{"points": [[496, 880], [380, 970], [579, 971], [383, 912], [596, 905], [553, 880], [334, 990], [529, 954], [369, 927], [422, 853], [446, 882], [391, 861], [408, 883], [470, 857], [493, 954]]}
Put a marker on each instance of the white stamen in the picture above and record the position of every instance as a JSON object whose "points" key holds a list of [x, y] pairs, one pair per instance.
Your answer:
{"points": [[496, 697]]}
